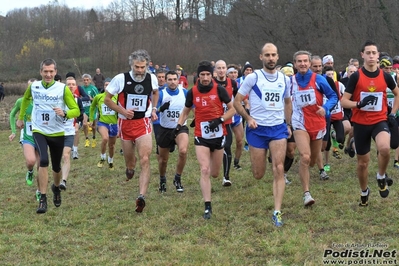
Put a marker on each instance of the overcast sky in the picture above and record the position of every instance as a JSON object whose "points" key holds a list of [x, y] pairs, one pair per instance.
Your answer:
{"points": [[8, 5]]}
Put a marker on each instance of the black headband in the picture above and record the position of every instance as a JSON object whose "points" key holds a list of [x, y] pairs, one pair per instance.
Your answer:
{"points": [[204, 68]]}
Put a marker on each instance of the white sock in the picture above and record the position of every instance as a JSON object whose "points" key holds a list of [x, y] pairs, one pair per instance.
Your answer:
{"points": [[380, 176], [74, 148], [103, 156], [110, 160]]}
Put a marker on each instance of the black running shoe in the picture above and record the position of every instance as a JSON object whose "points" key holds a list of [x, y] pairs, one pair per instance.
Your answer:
{"points": [[57, 195], [162, 186], [383, 187], [364, 200], [207, 214], [63, 185], [237, 167], [42, 205], [140, 203], [389, 180], [179, 187]]}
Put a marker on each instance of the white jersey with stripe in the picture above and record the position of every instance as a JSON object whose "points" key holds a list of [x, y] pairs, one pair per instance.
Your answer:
{"points": [[44, 118], [266, 96], [169, 117], [69, 124]]}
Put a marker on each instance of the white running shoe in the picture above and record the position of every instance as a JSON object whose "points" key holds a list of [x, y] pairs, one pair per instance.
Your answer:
{"points": [[226, 182], [307, 199]]}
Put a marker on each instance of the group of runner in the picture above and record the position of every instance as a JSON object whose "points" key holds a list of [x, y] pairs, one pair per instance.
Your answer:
{"points": [[285, 109]]}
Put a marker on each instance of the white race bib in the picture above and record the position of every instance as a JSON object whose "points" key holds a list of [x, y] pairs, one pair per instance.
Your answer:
{"points": [[376, 105], [207, 133], [105, 110], [305, 98], [28, 126], [136, 102], [337, 108], [45, 118], [271, 99], [172, 115]]}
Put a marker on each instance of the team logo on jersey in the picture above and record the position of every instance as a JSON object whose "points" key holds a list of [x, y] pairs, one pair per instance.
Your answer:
{"points": [[204, 103], [129, 83], [212, 97], [280, 85], [197, 99], [139, 89], [371, 88]]}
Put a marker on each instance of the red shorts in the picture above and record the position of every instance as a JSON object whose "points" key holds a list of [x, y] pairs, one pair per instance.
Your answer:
{"points": [[133, 129], [315, 135]]}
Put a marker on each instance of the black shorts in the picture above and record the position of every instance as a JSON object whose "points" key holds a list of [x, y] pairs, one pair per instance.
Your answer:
{"points": [[212, 144], [165, 137], [364, 133], [347, 114], [291, 139]]}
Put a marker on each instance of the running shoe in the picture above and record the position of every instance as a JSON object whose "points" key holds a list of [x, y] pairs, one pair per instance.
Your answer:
{"points": [[324, 175], [327, 168], [38, 195], [207, 214], [237, 167], [226, 182], [75, 155], [87, 143], [100, 163], [389, 180], [179, 187], [129, 174], [111, 166], [396, 165], [162, 186], [29, 178], [63, 185], [42, 205], [383, 187], [364, 199], [337, 154], [307, 199], [57, 195], [93, 143], [350, 151], [277, 219], [140, 203], [287, 182]]}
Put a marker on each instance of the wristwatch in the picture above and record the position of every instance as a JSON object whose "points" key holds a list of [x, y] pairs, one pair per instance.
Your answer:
{"points": [[222, 119]]}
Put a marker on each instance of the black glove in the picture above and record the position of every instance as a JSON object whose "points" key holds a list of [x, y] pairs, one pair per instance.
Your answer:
{"points": [[215, 123], [366, 100], [176, 130], [192, 124], [393, 128], [164, 106]]}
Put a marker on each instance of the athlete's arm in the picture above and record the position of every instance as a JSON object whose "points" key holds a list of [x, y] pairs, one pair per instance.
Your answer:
{"points": [[93, 107], [328, 92], [24, 105], [14, 111], [346, 100], [73, 107]]}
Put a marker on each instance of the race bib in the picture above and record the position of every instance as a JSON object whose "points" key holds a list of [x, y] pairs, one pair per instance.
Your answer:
{"points": [[86, 103], [28, 126], [305, 98], [136, 102], [337, 108], [374, 106], [45, 118], [271, 99], [207, 133], [105, 110], [172, 115]]}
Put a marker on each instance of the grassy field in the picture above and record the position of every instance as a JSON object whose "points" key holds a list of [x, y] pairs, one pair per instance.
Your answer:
{"points": [[97, 224]]}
